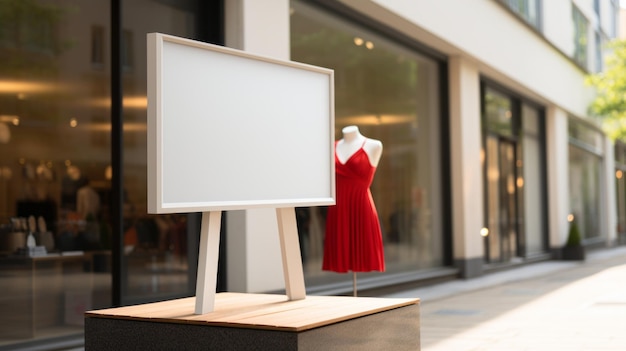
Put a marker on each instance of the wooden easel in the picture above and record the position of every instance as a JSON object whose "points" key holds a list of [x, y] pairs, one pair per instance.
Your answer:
{"points": [[209, 253]]}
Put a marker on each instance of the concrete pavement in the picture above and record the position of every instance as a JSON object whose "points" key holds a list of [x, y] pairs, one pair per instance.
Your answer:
{"points": [[554, 305]]}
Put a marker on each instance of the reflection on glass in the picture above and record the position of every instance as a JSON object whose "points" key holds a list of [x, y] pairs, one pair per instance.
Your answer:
{"points": [[515, 178], [498, 112], [502, 178], [501, 200], [529, 10], [493, 203], [391, 93], [585, 136], [54, 150], [156, 260], [533, 170], [584, 189], [620, 189]]}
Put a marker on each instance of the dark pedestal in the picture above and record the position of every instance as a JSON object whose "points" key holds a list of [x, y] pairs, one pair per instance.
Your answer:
{"points": [[259, 322]]}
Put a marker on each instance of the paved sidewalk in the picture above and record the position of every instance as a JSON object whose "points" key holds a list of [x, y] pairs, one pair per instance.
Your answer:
{"points": [[555, 305]]}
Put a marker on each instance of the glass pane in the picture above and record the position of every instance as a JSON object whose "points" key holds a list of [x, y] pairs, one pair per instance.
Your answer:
{"points": [[620, 188], [580, 36], [532, 183], [508, 201], [526, 9], [534, 205], [584, 189], [531, 120], [502, 184], [620, 154], [499, 117], [493, 201], [584, 135], [54, 166], [155, 246], [391, 93], [598, 51]]}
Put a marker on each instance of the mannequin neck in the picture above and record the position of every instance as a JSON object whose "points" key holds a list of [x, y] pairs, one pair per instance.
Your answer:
{"points": [[351, 134]]}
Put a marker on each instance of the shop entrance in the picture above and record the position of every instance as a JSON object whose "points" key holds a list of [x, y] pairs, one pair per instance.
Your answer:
{"points": [[502, 241]]}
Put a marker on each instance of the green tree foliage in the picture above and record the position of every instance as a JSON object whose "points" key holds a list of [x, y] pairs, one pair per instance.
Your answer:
{"points": [[610, 85]]}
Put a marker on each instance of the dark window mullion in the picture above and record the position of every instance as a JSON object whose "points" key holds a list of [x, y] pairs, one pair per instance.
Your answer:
{"points": [[117, 199]]}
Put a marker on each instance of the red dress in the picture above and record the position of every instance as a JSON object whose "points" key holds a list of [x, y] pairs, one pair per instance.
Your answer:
{"points": [[353, 239]]}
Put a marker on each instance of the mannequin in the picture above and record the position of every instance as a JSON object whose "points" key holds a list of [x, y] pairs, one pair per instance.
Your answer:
{"points": [[352, 142], [353, 240]]}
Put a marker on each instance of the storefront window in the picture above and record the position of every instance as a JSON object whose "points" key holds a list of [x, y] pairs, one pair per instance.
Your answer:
{"points": [[392, 94], [159, 250], [584, 178], [515, 178], [501, 170], [620, 188], [54, 167]]}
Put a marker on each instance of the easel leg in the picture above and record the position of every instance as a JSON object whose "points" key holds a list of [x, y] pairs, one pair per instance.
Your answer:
{"points": [[206, 281], [354, 283], [290, 250]]}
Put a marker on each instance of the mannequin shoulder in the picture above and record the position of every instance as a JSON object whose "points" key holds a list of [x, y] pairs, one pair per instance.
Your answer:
{"points": [[373, 144], [374, 149]]}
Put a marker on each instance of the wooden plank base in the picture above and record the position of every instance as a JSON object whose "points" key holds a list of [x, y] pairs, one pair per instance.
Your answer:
{"points": [[259, 322]]}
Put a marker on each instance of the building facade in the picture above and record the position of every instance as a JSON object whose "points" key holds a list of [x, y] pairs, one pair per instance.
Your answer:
{"points": [[481, 106]]}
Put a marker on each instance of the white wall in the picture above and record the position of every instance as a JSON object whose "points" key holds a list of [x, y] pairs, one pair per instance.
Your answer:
{"points": [[559, 33], [259, 27]]}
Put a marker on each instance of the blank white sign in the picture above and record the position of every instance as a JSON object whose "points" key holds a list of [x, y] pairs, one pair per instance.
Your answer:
{"points": [[232, 130]]}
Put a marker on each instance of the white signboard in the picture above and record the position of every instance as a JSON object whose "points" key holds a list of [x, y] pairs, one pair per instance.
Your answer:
{"points": [[232, 130]]}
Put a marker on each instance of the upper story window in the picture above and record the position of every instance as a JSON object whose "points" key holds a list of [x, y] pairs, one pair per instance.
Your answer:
{"points": [[615, 9], [581, 25], [598, 51], [529, 10], [585, 136]]}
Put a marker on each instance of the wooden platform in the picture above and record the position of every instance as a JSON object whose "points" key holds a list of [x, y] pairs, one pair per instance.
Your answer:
{"points": [[259, 322]]}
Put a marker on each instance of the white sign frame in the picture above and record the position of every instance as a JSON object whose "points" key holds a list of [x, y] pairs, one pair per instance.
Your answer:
{"points": [[290, 136]]}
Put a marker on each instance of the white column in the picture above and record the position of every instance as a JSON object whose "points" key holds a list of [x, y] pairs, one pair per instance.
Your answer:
{"points": [[467, 173], [253, 248], [558, 176], [258, 27], [610, 202]]}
